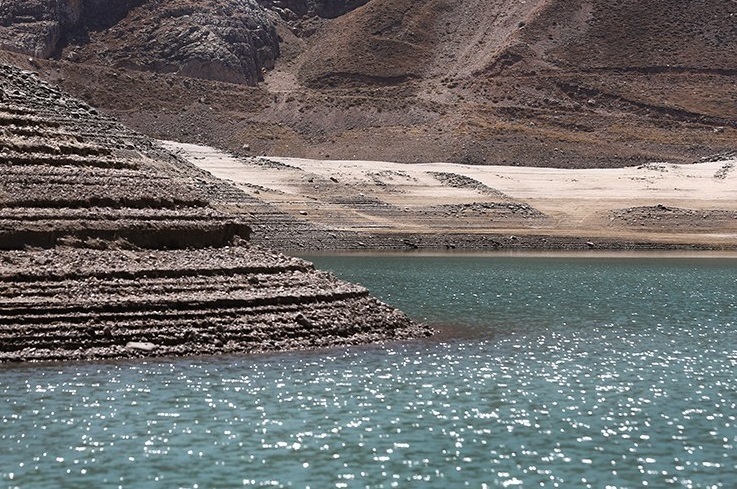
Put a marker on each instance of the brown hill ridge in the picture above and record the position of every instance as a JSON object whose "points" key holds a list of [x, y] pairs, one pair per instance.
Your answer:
{"points": [[566, 83], [111, 247]]}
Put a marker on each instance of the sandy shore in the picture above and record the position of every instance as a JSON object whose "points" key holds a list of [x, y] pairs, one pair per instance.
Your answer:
{"points": [[659, 203]]}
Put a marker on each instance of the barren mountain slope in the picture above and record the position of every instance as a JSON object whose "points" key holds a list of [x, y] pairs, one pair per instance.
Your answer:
{"points": [[668, 35], [546, 82], [568, 83], [403, 39]]}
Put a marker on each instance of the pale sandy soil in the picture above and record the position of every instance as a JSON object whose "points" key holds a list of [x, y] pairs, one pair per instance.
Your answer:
{"points": [[657, 202]]}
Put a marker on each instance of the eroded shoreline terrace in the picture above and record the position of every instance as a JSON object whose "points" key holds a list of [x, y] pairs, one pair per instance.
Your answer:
{"points": [[111, 247]]}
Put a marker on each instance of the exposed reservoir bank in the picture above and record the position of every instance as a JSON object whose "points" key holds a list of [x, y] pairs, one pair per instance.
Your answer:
{"points": [[551, 372], [387, 205]]}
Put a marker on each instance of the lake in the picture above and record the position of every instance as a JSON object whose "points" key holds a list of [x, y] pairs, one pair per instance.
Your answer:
{"points": [[567, 371]]}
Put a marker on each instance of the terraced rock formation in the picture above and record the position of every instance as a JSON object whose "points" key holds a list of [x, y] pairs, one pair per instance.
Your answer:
{"points": [[69, 303], [70, 174], [111, 247]]}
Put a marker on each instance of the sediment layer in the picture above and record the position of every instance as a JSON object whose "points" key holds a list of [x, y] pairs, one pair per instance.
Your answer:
{"points": [[110, 247], [67, 303]]}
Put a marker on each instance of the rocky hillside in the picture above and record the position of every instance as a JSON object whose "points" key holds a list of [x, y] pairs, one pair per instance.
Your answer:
{"points": [[568, 83], [232, 41], [111, 247], [229, 41]]}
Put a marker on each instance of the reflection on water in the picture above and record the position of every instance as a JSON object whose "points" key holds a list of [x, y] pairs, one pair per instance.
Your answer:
{"points": [[555, 373]]}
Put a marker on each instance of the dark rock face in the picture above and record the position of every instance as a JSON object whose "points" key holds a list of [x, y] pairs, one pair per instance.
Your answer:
{"points": [[101, 14], [111, 247], [335, 8], [41, 27], [229, 41], [35, 27]]}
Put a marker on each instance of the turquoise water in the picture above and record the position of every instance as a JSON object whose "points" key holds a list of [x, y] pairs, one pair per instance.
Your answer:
{"points": [[549, 372]]}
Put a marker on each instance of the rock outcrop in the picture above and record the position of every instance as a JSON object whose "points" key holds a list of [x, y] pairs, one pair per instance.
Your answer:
{"points": [[229, 41], [110, 247], [41, 28], [35, 27]]}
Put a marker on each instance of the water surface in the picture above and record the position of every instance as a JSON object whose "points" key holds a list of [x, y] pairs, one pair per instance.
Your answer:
{"points": [[550, 372]]}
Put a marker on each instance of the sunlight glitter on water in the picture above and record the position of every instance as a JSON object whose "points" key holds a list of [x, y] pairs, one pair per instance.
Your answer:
{"points": [[594, 400]]}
